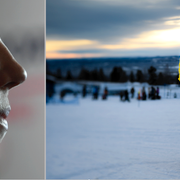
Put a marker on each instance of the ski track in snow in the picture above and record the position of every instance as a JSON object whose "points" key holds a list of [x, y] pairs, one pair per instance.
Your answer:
{"points": [[112, 139]]}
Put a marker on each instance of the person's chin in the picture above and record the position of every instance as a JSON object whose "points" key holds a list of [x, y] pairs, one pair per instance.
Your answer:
{"points": [[3, 128]]}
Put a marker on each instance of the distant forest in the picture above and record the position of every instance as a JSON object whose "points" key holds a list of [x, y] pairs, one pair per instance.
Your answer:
{"points": [[119, 75]]}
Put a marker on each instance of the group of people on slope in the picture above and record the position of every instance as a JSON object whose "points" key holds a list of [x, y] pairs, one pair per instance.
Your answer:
{"points": [[95, 92], [153, 93], [124, 95]]}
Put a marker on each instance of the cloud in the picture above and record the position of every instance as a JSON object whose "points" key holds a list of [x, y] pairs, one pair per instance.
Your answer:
{"points": [[95, 28], [151, 39], [106, 21]]}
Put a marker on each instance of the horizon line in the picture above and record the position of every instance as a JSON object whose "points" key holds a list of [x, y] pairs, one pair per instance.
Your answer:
{"points": [[82, 58]]}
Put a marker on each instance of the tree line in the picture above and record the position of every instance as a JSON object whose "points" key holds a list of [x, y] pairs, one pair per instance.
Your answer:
{"points": [[119, 75]]}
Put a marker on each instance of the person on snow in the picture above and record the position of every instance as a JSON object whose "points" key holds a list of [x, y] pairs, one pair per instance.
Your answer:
{"points": [[132, 92], [139, 94], [153, 93], [95, 92], [105, 94], [126, 95], [143, 94], [121, 95], [157, 94]]}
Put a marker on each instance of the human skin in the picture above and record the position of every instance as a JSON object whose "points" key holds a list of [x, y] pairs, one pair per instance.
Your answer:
{"points": [[11, 74]]}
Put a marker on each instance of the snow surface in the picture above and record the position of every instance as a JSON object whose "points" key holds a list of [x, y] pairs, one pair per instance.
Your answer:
{"points": [[96, 139]]}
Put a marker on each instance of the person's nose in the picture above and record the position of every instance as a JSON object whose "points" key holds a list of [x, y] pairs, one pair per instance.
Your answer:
{"points": [[11, 72], [16, 75]]}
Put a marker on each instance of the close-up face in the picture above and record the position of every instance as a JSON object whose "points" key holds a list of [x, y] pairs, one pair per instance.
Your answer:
{"points": [[22, 109], [11, 75]]}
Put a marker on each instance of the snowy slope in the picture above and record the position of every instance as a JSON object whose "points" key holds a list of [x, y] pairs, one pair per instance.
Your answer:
{"points": [[112, 139]]}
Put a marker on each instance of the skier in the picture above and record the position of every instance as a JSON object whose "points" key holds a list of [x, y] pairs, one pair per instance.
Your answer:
{"points": [[95, 92], [157, 94], [105, 93], [153, 93], [121, 95], [143, 94], [126, 94], [132, 92], [139, 94]]}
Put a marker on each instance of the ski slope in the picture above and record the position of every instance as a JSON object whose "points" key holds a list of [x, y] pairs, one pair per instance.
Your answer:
{"points": [[96, 139]]}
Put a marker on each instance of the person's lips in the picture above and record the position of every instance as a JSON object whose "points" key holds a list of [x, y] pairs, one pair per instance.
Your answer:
{"points": [[3, 122]]}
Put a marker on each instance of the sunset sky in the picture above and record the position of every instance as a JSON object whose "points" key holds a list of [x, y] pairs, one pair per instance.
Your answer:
{"points": [[116, 28]]}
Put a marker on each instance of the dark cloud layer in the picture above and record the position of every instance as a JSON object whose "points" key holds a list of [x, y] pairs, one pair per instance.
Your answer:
{"points": [[103, 21], [135, 52]]}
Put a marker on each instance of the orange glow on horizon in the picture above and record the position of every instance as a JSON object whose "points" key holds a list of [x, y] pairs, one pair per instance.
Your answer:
{"points": [[54, 55], [58, 45]]}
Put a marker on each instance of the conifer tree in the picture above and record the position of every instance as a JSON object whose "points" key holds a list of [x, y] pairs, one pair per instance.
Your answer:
{"points": [[152, 75], [131, 78], [139, 76], [69, 75]]}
